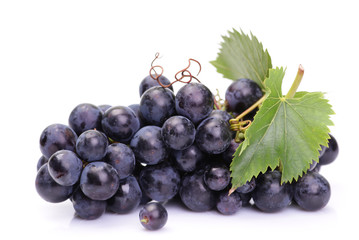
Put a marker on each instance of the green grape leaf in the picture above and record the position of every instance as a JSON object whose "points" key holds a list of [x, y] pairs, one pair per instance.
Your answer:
{"points": [[285, 133], [242, 56]]}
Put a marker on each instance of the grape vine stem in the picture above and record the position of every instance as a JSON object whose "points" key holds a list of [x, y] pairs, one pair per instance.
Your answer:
{"points": [[295, 85]]}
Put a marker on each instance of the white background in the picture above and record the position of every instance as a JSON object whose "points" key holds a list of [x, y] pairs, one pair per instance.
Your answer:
{"points": [[57, 54]]}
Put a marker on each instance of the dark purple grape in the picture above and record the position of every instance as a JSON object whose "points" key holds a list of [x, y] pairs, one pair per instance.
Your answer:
{"points": [[148, 146], [84, 117], [270, 195], [213, 136], [229, 204], [160, 182], [157, 105], [120, 123], [65, 167], [189, 159], [85, 207], [42, 160], [57, 137], [149, 82], [91, 145], [195, 194], [104, 107], [127, 197], [330, 153], [312, 191], [248, 187], [122, 158], [153, 216], [217, 177], [178, 132], [99, 181], [242, 94], [194, 101], [50, 190]]}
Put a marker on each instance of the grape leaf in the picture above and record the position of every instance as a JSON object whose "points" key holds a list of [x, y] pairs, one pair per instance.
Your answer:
{"points": [[242, 56], [285, 133]]}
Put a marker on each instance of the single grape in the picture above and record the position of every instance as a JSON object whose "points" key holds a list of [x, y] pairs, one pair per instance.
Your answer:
{"points": [[242, 94], [148, 147], [122, 158], [213, 136], [92, 145], [87, 208], [270, 195], [160, 182], [127, 197], [153, 216], [65, 167], [229, 204], [50, 190], [217, 177], [312, 191], [42, 160], [189, 159], [149, 82], [178, 132], [195, 194], [120, 123], [194, 101], [99, 181], [157, 105], [84, 117], [57, 137], [330, 153], [248, 187]]}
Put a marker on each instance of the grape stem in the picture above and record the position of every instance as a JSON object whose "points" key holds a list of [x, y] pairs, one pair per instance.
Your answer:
{"points": [[145, 220], [218, 101], [296, 83], [216, 104]]}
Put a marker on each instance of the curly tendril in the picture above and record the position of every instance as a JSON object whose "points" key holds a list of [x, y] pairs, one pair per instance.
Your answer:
{"points": [[179, 76]]}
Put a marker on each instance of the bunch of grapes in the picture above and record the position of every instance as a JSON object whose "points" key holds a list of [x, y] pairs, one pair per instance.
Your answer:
{"points": [[169, 146]]}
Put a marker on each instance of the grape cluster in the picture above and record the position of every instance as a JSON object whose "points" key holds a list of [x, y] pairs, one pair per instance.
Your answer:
{"points": [[169, 146]]}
